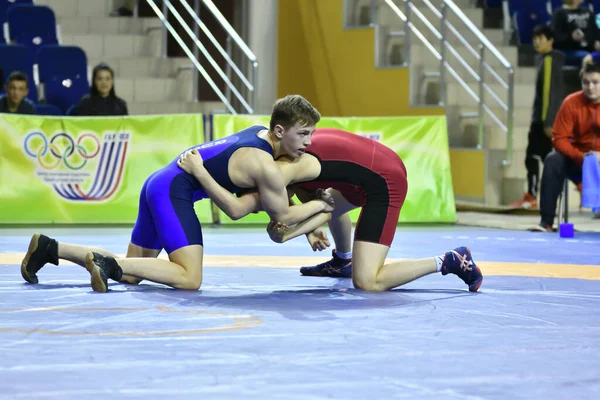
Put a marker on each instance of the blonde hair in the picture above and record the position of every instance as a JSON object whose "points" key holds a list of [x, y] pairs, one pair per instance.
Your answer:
{"points": [[293, 109]]}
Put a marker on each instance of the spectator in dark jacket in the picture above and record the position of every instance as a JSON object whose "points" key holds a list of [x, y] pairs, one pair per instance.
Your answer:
{"points": [[15, 101], [575, 31], [102, 99]]}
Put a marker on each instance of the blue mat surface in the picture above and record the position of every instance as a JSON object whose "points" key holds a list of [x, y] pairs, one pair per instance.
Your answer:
{"points": [[269, 333]]}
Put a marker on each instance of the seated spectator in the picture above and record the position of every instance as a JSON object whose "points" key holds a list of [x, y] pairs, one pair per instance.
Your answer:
{"points": [[102, 99], [15, 100], [574, 135], [575, 31]]}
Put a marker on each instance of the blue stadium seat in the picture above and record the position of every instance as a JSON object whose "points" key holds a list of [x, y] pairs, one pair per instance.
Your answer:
{"points": [[47, 109], [18, 58], [529, 5], [525, 21], [57, 60], [72, 111], [63, 71], [64, 92], [5, 5], [32, 26]]}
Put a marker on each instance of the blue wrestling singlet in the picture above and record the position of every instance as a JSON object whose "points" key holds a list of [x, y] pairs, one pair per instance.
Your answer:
{"points": [[166, 217]]}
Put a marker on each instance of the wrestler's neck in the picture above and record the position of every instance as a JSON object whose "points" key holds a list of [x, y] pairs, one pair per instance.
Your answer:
{"points": [[273, 141]]}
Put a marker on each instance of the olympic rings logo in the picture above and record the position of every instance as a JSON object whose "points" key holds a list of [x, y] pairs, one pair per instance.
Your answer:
{"points": [[66, 153]]}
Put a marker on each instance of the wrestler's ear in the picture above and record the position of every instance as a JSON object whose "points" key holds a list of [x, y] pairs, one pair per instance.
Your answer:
{"points": [[278, 131]]}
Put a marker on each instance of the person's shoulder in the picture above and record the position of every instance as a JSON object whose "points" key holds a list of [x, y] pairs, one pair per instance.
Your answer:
{"points": [[255, 156], [86, 98], [257, 163], [28, 105], [560, 11], [576, 98], [260, 155], [556, 55], [120, 101]]}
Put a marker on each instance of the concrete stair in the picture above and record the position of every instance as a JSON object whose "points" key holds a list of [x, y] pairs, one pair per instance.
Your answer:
{"points": [[504, 184], [148, 83]]}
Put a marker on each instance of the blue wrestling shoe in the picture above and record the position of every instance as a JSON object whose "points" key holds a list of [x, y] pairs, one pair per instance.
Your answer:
{"points": [[336, 268], [460, 262]]}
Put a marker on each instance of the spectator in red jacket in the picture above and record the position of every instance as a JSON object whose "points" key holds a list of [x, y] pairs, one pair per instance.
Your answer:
{"points": [[575, 134]]}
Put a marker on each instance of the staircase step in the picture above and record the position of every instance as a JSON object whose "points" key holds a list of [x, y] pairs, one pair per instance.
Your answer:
{"points": [[162, 107], [107, 45], [523, 96], [106, 25], [143, 67], [153, 89], [494, 137], [420, 54], [390, 19], [79, 8]]}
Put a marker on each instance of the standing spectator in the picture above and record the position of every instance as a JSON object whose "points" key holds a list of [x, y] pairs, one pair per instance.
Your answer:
{"points": [[549, 93], [15, 101], [575, 31], [102, 99], [576, 133]]}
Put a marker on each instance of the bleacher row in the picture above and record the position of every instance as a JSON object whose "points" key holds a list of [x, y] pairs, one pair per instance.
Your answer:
{"points": [[524, 15], [58, 75]]}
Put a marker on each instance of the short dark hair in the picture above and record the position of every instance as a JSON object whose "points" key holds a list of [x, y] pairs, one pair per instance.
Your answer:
{"points": [[543, 30], [293, 109], [17, 76], [590, 69]]}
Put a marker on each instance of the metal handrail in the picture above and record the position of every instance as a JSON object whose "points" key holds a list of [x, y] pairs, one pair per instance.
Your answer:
{"points": [[248, 105], [485, 47], [223, 52], [231, 33]]}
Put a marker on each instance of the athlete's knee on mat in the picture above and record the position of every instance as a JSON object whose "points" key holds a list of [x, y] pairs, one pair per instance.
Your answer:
{"points": [[190, 283], [368, 283]]}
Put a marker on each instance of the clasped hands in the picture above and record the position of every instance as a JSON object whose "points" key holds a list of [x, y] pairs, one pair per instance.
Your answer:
{"points": [[191, 161], [317, 239]]}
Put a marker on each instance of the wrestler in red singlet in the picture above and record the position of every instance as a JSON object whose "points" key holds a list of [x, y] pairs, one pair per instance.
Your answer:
{"points": [[368, 174]]}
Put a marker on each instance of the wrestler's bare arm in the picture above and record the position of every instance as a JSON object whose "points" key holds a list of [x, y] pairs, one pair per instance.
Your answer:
{"points": [[266, 177], [274, 198]]}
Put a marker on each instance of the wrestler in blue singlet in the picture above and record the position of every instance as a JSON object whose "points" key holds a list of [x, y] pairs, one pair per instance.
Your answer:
{"points": [[166, 217]]}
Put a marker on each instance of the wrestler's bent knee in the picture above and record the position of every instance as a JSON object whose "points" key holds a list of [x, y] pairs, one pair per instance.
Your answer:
{"points": [[370, 285], [190, 284]]}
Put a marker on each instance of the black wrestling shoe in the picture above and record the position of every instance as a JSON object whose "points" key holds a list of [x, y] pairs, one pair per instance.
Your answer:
{"points": [[102, 268], [42, 250], [337, 267]]}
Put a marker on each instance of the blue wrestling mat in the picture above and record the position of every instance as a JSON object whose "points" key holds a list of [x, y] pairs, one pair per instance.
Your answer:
{"points": [[259, 330]]}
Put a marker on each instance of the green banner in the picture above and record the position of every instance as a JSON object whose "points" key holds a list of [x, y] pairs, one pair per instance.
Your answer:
{"points": [[421, 142], [87, 170]]}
